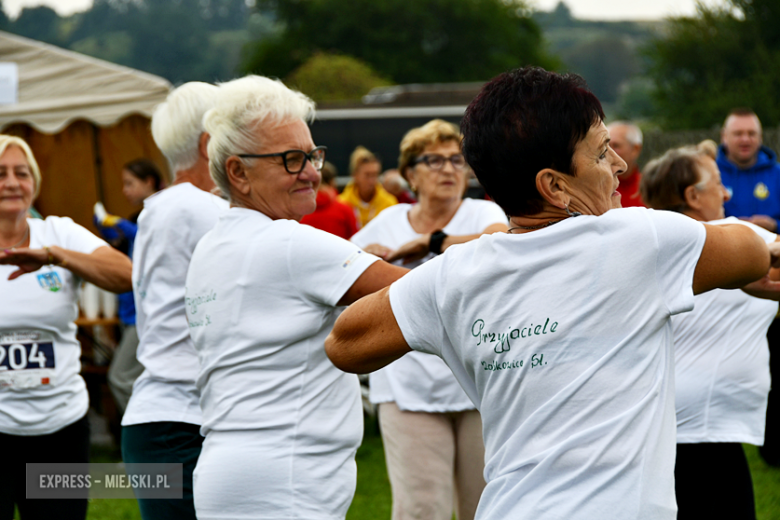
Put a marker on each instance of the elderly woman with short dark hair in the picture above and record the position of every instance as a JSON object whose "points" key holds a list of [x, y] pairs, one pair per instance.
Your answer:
{"points": [[721, 355], [559, 331]]}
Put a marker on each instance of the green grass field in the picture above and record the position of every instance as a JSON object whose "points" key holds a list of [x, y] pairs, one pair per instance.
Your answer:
{"points": [[372, 498]]}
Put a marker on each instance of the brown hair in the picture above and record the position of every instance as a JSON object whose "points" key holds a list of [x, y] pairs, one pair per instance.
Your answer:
{"points": [[665, 178], [416, 140], [329, 172]]}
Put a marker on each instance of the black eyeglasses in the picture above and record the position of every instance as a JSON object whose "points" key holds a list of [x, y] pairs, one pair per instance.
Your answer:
{"points": [[294, 160], [436, 162]]}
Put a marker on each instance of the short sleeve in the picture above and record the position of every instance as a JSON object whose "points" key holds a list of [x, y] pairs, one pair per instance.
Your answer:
{"points": [[415, 307], [680, 243], [323, 266], [74, 237], [375, 231]]}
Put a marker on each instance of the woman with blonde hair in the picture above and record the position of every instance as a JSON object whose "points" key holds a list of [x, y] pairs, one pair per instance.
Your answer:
{"points": [[43, 399], [431, 430], [364, 192]]}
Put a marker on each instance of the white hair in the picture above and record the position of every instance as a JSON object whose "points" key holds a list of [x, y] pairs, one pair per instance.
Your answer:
{"points": [[242, 106], [633, 132], [177, 123]]}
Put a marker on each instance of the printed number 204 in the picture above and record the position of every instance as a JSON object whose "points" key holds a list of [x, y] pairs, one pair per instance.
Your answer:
{"points": [[19, 356]]}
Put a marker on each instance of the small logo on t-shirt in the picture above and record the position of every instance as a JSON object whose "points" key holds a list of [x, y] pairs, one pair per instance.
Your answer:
{"points": [[761, 192], [50, 281], [351, 259]]}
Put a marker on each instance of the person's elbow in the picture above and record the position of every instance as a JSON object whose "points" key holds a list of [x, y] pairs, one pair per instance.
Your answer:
{"points": [[757, 266], [337, 350]]}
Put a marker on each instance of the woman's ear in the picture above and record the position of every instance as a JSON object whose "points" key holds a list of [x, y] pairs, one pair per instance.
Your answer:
{"points": [[411, 178], [203, 145], [692, 199], [236, 173], [553, 186]]}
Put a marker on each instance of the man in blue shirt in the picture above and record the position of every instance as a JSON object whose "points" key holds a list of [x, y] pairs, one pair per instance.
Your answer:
{"points": [[749, 171]]}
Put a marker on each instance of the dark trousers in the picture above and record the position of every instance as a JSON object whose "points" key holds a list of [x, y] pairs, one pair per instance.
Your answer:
{"points": [[70, 444], [165, 442], [770, 451], [712, 480]]}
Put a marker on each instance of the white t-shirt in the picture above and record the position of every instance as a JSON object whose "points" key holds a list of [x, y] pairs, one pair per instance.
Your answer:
{"points": [[418, 381], [172, 222], [41, 390], [261, 299], [562, 338], [722, 364]]}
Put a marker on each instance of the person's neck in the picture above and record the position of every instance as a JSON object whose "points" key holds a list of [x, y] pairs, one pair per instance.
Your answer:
{"points": [[547, 217], [13, 229], [743, 165], [695, 215], [197, 175], [430, 214], [369, 197]]}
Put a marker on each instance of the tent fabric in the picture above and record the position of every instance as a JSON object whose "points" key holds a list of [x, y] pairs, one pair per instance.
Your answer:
{"points": [[57, 86]]}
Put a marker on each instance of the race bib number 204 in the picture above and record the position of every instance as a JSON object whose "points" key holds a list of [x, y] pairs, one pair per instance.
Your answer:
{"points": [[26, 359]]}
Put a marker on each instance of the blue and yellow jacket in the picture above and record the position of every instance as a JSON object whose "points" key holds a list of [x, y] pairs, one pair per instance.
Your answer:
{"points": [[755, 190]]}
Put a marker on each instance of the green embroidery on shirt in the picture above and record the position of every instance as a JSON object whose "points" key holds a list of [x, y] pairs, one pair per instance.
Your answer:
{"points": [[501, 341]]}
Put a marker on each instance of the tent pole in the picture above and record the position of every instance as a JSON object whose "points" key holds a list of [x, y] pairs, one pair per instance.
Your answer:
{"points": [[98, 161]]}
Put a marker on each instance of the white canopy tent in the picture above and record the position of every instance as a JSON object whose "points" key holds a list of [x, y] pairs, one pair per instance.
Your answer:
{"points": [[83, 118], [57, 86]]}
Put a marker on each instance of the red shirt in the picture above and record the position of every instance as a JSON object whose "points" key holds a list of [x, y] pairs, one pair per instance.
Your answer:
{"points": [[332, 216], [629, 190]]}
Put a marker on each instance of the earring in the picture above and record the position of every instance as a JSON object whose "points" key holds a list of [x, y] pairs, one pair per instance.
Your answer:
{"points": [[572, 213]]}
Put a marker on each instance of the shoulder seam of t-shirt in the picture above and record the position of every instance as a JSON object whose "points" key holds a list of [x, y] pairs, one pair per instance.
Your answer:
{"points": [[288, 256], [435, 301], [656, 245]]}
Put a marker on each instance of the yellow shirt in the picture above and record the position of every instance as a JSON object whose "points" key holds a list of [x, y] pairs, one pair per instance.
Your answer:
{"points": [[365, 211]]}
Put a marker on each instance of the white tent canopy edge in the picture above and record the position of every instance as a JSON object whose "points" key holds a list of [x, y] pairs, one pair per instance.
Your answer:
{"points": [[58, 86]]}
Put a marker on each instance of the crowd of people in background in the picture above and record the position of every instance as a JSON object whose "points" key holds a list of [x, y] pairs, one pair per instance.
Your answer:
{"points": [[586, 341]]}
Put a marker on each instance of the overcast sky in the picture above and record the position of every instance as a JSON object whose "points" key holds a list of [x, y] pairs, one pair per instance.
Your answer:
{"points": [[590, 9]]}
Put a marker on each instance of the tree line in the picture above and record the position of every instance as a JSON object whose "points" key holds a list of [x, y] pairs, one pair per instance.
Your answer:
{"points": [[680, 73]]}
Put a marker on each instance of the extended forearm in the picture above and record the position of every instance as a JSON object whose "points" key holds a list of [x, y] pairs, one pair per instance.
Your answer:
{"points": [[105, 267]]}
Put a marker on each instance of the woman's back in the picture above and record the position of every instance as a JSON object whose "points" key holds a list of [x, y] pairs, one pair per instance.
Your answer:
{"points": [[722, 364], [562, 338]]}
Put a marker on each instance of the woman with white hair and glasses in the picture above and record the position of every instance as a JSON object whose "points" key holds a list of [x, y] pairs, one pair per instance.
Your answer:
{"points": [[43, 399], [431, 430], [282, 424]]}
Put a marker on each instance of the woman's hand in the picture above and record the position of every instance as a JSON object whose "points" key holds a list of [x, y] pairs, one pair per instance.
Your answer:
{"points": [[412, 251], [105, 267], [774, 252], [27, 260], [378, 250], [765, 288]]}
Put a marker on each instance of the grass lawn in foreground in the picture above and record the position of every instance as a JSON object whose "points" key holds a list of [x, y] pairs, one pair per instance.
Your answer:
{"points": [[372, 498]]}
